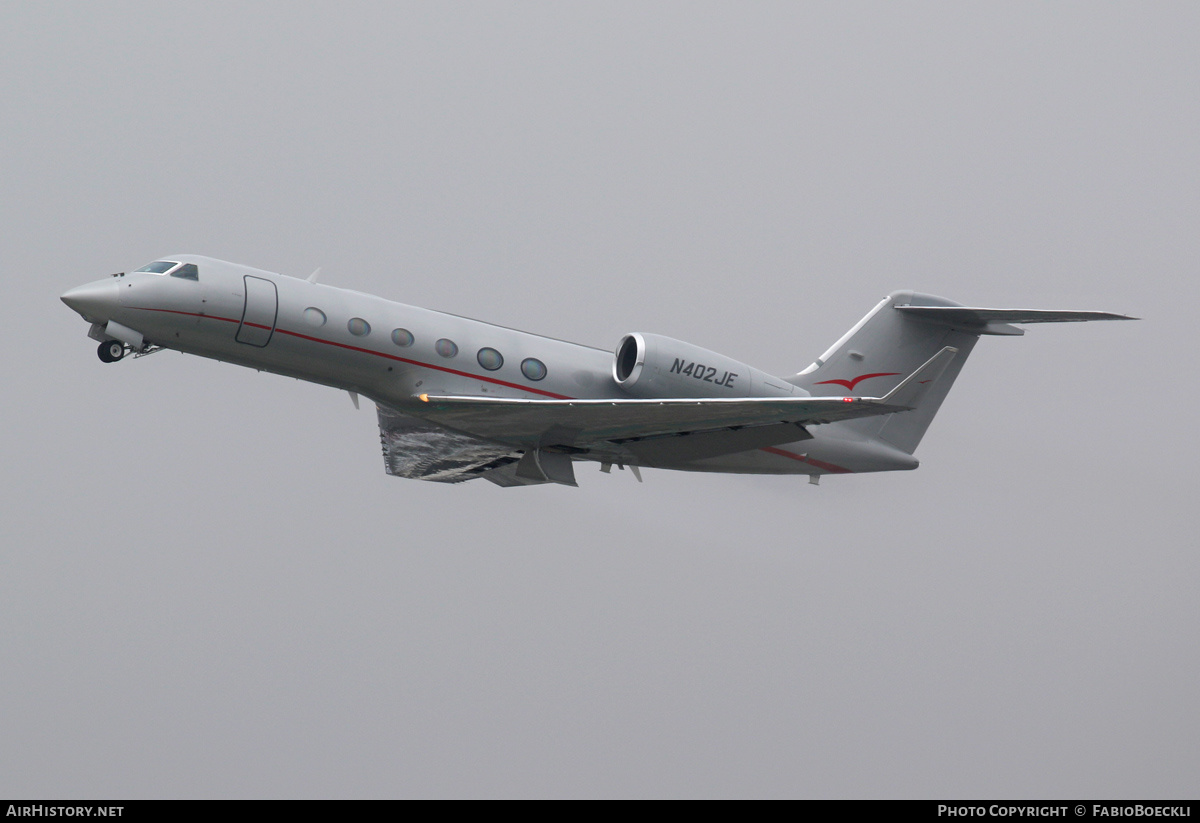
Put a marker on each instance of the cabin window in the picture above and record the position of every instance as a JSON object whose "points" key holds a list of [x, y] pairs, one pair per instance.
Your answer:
{"points": [[533, 368], [446, 348], [490, 359], [187, 271], [314, 317], [359, 327], [402, 338]]}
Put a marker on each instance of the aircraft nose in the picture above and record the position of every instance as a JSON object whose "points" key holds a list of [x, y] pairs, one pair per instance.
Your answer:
{"points": [[93, 300]]}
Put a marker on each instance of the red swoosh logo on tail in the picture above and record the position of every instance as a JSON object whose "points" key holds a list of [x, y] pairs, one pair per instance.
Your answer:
{"points": [[850, 384]]}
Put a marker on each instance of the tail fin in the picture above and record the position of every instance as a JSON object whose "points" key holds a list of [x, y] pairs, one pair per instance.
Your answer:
{"points": [[908, 331]]}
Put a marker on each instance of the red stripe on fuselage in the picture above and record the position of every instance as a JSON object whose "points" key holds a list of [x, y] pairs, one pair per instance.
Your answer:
{"points": [[384, 355], [820, 464]]}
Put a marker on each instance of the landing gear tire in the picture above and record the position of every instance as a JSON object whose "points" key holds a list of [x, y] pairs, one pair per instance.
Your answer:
{"points": [[111, 351]]}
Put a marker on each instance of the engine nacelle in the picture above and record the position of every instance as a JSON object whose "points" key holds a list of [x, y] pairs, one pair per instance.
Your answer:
{"points": [[650, 365]]}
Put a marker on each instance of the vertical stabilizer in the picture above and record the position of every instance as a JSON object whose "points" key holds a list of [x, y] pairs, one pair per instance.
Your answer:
{"points": [[908, 331], [879, 352]]}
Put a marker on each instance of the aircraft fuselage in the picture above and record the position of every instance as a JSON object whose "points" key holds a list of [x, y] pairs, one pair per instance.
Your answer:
{"points": [[655, 401]]}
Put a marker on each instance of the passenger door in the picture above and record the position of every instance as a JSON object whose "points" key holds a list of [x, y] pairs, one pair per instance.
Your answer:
{"points": [[259, 313]]}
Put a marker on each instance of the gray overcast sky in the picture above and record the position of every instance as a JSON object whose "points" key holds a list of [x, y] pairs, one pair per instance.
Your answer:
{"points": [[209, 587]]}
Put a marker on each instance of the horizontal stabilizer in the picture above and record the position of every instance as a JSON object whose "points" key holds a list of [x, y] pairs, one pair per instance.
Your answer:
{"points": [[980, 319]]}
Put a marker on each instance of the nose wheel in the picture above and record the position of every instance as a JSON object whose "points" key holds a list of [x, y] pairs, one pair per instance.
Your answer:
{"points": [[111, 351]]}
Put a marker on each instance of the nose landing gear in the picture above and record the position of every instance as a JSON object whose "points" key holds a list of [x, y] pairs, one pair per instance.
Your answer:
{"points": [[111, 351]]}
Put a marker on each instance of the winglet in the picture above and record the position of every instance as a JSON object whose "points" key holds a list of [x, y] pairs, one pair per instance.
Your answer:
{"points": [[912, 388]]}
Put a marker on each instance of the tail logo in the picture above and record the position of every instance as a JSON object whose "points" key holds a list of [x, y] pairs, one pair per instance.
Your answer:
{"points": [[850, 384]]}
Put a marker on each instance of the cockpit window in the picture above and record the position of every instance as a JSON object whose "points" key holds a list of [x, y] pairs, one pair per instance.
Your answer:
{"points": [[187, 271], [159, 267]]}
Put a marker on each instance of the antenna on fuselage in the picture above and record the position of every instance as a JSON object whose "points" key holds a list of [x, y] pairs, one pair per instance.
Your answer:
{"points": [[312, 278]]}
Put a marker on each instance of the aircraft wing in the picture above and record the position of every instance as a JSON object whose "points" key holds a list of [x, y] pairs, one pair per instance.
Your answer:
{"points": [[461, 438], [527, 424], [516, 441], [596, 425]]}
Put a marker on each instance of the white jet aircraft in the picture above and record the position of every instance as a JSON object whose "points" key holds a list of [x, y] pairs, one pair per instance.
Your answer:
{"points": [[459, 399]]}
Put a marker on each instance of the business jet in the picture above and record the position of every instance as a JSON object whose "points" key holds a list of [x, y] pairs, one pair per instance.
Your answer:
{"points": [[460, 399]]}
